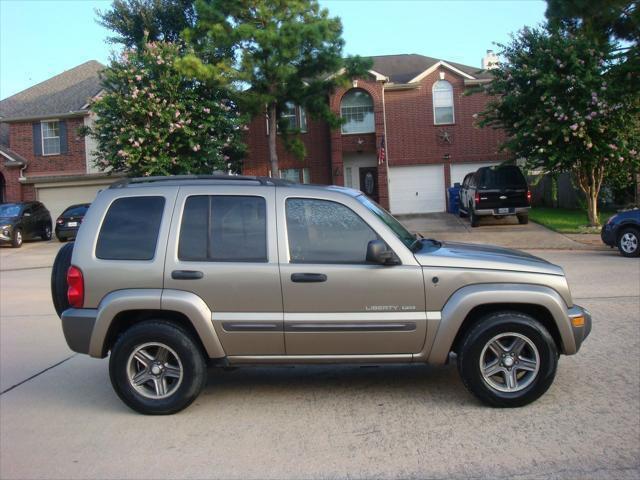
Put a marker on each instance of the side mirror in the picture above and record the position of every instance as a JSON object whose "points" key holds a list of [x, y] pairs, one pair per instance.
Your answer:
{"points": [[377, 252]]}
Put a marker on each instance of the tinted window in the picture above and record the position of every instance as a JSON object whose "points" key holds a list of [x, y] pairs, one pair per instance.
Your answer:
{"points": [[223, 229], [76, 211], [321, 231], [502, 177], [130, 229], [9, 210]]}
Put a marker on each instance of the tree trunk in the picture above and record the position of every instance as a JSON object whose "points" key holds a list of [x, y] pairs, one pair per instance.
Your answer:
{"points": [[273, 153], [590, 182]]}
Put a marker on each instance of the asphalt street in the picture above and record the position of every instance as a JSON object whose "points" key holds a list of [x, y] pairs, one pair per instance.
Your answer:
{"points": [[59, 417]]}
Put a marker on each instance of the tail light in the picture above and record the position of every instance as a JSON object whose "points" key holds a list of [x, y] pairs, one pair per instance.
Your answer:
{"points": [[477, 198], [60, 221], [75, 289], [529, 196]]}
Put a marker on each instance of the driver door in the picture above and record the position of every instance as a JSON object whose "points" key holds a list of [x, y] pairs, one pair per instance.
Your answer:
{"points": [[335, 303]]}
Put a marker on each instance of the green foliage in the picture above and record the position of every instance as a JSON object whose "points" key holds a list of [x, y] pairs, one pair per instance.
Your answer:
{"points": [[565, 220], [138, 21], [563, 110], [273, 52], [154, 120]]}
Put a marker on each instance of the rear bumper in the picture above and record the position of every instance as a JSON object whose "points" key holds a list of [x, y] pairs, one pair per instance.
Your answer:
{"points": [[66, 232], [580, 333], [77, 326], [494, 211]]}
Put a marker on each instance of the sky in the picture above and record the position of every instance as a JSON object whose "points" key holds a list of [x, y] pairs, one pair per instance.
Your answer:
{"points": [[41, 38]]}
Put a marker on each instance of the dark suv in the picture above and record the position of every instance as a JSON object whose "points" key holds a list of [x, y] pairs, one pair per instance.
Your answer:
{"points": [[623, 231], [24, 220], [497, 191]]}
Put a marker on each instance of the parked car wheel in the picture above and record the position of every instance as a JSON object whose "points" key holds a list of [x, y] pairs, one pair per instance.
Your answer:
{"points": [[16, 238], [62, 239], [46, 233], [156, 368], [523, 219], [461, 213], [59, 278], [473, 218], [508, 359], [629, 242]]}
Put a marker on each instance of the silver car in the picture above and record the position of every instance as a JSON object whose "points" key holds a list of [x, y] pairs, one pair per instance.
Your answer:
{"points": [[169, 275]]}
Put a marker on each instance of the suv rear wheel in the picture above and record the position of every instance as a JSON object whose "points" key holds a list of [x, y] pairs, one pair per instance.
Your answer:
{"points": [[523, 219], [156, 368], [508, 359], [473, 218]]}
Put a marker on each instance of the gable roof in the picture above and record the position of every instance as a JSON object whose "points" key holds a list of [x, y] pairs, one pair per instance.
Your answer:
{"points": [[405, 68], [63, 94]]}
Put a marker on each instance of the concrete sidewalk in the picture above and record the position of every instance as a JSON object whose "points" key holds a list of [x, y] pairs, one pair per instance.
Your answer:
{"points": [[505, 232]]}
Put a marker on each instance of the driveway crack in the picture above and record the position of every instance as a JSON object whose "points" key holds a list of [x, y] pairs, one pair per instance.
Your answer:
{"points": [[37, 374]]}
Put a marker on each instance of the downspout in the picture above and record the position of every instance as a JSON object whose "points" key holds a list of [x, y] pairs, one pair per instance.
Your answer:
{"points": [[386, 143]]}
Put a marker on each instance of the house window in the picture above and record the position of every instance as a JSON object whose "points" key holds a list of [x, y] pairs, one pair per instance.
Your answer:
{"points": [[294, 116], [356, 109], [442, 102], [50, 137], [296, 175]]}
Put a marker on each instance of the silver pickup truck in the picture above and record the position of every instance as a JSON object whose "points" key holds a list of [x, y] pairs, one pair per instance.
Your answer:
{"points": [[170, 275]]}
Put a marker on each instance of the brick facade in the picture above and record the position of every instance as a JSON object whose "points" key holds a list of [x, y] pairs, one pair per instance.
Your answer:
{"points": [[411, 137], [21, 142]]}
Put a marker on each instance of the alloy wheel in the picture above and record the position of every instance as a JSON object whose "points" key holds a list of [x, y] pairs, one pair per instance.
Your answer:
{"points": [[629, 242], [509, 362], [154, 370]]}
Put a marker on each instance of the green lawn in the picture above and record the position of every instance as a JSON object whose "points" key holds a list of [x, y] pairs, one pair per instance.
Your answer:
{"points": [[564, 220]]}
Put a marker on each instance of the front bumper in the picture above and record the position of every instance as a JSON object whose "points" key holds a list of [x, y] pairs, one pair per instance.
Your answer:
{"points": [[580, 333], [483, 212], [608, 235], [77, 326]]}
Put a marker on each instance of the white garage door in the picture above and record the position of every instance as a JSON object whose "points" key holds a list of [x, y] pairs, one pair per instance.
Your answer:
{"points": [[58, 198], [459, 170], [417, 189]]}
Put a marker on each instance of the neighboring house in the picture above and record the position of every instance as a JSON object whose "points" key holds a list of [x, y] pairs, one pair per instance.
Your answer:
{"points": [[42, 155], [409, 134]]}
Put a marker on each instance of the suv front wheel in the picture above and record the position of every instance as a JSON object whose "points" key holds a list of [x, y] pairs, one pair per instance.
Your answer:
{"points": [[508, 359], [156, 368]]}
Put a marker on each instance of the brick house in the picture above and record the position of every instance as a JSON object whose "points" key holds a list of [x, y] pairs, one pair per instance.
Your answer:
{"points": [[42, 155], [415, 108]]}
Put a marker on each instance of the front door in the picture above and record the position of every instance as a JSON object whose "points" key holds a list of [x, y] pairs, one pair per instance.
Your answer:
{"points": [[224, 251], [335, 303], [369, 182]]}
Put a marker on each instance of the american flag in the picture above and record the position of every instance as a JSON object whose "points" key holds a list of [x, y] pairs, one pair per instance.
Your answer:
{"points": [[381, 153]]}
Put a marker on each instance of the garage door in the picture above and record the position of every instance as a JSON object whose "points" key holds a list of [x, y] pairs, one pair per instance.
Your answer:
{"points": [[459, 170], [417, 189], [58, 198]]}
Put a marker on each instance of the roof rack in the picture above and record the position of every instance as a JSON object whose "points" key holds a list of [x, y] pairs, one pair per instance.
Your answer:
{"points": [[141, 180]]}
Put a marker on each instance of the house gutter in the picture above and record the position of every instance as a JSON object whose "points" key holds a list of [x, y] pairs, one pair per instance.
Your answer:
{"points": [[76, 113]]}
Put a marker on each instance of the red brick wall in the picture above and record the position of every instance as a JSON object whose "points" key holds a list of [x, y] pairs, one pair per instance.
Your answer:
{"points": [[317, 158], [12, 190], [73, 162]]}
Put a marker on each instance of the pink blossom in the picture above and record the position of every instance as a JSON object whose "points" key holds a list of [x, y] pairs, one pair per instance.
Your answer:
{"points": [[206, 110], [136, 144], [574, 127], [196, 148], [226, 157], [138, 77], [177, 113], [613, 147]]}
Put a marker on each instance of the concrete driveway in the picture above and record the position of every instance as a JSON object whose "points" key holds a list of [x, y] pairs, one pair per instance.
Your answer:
{"points": [[506, 232], [62, 420]]}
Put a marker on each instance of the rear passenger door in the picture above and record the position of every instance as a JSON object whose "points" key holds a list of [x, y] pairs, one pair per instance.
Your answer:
{"points": [[223, 249]]}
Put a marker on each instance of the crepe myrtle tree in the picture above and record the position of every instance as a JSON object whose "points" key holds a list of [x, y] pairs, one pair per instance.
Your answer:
{"points": [[152, 119], [275, 53], [553, 95]]}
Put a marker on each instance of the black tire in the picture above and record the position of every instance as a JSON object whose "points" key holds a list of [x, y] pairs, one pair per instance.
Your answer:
{"points": [[62, 239], [473, 218], [629, 242], [461, 213], [523, 219], [16, 238], [59, 278], [46, 233], [534, 384], [194, 368]]}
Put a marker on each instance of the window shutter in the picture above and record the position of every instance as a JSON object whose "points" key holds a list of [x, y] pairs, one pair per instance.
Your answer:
{"points": [[63, 137], [37, 138]]}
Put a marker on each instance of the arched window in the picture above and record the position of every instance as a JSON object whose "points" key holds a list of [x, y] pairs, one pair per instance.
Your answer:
{"points": [[357, 110], [442, 102]]}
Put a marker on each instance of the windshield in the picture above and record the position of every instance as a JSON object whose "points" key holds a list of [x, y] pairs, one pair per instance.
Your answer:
{"points": [[9, 210], [400, 231]]}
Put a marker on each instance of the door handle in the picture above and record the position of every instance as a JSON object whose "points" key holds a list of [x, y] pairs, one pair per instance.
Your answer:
{"points": [[308, 277], [186, 275]]}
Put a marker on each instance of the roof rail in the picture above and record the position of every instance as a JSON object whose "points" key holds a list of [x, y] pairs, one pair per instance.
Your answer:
{"points": [[139, 180]]}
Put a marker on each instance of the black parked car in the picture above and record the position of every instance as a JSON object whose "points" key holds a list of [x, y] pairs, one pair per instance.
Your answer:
{"points": [[24, 220], [623, 231], [69, 221], [496, 191]]}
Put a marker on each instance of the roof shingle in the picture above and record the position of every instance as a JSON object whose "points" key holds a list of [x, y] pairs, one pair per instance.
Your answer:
{"points": [[403, 68]]}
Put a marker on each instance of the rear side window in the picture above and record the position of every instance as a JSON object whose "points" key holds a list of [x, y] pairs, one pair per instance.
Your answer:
{"points": [[221, 228], [130, 229], [75, 211]]}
